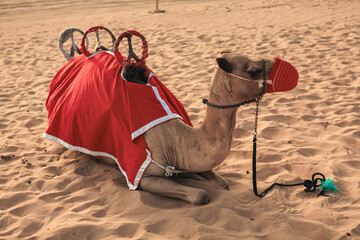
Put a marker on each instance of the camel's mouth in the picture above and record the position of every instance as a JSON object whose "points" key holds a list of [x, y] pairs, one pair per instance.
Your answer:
{"points": [[283, 77]]}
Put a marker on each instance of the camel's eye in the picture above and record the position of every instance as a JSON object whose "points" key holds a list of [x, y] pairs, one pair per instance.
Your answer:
{"points": [[255, 74], [253, 68]]}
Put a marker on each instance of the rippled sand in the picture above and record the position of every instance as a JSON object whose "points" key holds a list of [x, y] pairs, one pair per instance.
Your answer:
{"points": [[50, 193]]}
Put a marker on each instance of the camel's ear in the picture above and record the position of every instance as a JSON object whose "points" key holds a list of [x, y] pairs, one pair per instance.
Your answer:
{"points": [[224, 64]]}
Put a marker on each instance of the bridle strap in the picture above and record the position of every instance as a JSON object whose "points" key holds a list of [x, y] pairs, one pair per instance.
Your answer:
{"points": [[260, 82], [205, 101]]}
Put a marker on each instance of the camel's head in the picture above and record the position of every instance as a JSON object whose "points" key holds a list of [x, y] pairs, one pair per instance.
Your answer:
{"points": [[238, 77]]}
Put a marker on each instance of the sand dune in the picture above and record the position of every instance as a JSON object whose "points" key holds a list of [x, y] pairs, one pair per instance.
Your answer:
{"points": [[48, 192]]}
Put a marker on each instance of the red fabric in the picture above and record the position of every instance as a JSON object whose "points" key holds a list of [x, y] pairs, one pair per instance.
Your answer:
{"points": [[283, 75], [92, 109]]}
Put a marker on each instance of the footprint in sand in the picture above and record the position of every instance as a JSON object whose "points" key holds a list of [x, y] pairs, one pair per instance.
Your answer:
{"points": [[86, 205], [34, 122], [308, 152]]}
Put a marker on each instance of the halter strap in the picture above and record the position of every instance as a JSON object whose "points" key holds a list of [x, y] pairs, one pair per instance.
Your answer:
{"points": [[260, 82], [205, 101]]}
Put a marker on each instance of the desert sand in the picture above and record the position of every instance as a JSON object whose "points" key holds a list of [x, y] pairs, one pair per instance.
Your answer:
{"points": [[48, 192]]}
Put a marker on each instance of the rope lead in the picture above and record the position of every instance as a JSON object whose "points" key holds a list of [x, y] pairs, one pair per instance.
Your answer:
{"points": [[310, 185]]}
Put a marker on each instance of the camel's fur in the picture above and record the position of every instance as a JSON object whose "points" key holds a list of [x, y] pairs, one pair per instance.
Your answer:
{"points": [[200, 149]]}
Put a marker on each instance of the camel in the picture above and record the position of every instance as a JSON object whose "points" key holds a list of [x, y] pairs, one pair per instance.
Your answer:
{"points": [[198, 150]]}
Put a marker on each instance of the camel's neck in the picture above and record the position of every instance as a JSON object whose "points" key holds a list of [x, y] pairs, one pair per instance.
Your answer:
{"points": [[219, 124]]}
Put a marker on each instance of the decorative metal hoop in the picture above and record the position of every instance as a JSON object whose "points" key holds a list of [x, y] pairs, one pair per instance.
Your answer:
{"points": [[95, 29], [124, 60], [64, 36]]}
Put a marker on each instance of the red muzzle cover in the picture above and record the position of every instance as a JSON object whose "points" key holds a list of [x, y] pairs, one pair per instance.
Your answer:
{"points": [[284, 77]]}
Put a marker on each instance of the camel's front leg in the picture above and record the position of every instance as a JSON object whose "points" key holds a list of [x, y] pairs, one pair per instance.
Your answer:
{"points": [[167, 187], [213, 175]]}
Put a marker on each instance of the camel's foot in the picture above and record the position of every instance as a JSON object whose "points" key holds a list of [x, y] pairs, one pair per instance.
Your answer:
{"points": [[200, 197], [213, 175], [168, 188]]}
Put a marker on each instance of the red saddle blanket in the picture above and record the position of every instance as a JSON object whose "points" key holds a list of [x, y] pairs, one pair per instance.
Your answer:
{"points": [[94, 110]]}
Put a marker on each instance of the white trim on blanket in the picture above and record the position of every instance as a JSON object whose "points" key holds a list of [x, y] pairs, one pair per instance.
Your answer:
{"points": [[143, 167], [163, 103], [95, 53], [154, 123], [139, 174], [151, 74]]}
